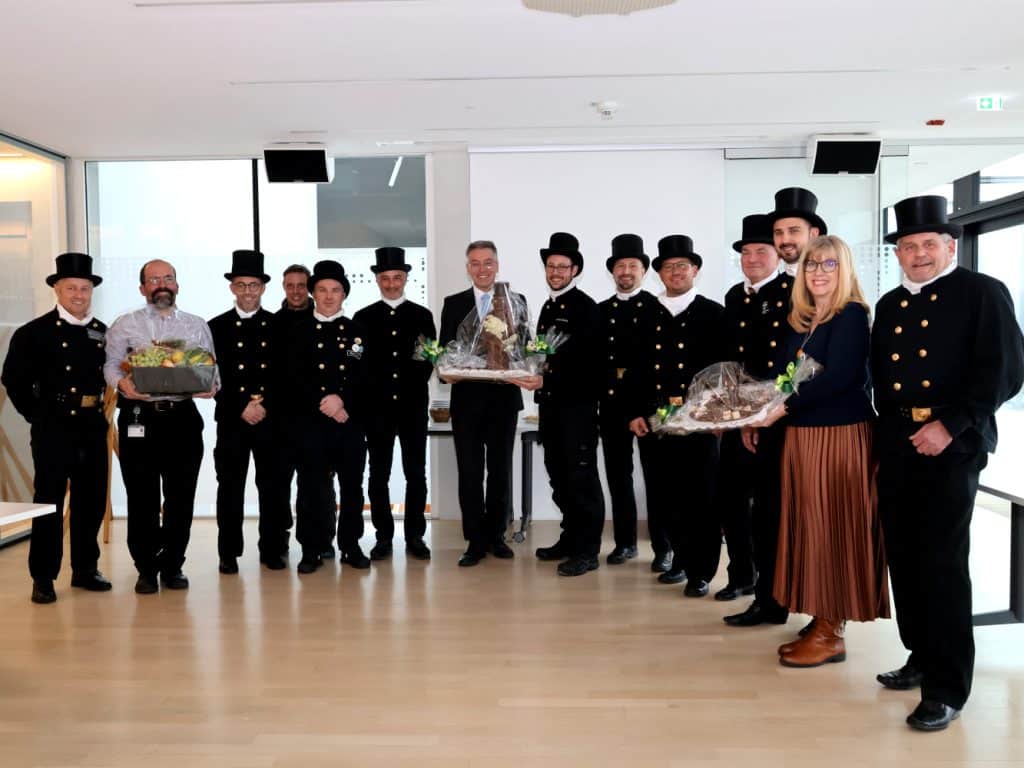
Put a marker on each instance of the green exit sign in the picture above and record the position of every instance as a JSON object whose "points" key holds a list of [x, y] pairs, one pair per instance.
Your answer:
{"points": [[990, 103]]}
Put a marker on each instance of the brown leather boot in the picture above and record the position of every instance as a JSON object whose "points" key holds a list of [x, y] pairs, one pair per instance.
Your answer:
{"points": [[788, 647], [824, 644]]}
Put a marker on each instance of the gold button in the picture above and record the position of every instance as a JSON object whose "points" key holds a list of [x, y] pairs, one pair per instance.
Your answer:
{"points": [[319, 345], [394, 354], [775, 324], [658, 328], [785, 285], [241, 366], [73, 390], [238, 322], [341, 327], [771, 364], [680, 365], [59, 322], [393, 375], [67, 367], [904, 303], [318, 326], [657, 386], [611, 391], [657, 366], [321, 366], [746, 299], [895, 357], [263, 365], [772, 343], [240, 344], [924, 323], [933, 297], [897, 386], [657, 346], [741, 348], [611, 320], [64, 344], [241, 389], [263, 343], [778, 303], [392, 312], [341, 367], [922, 353], [680, 345], [682, 386], [926, 383], [394, 333], [74, 413], [323, 389], [743, 323], [899, 329], [394, 397], [615, 303]]}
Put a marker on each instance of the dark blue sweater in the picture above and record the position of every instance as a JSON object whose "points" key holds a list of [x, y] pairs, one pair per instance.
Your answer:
{"points": [[841, 393]]}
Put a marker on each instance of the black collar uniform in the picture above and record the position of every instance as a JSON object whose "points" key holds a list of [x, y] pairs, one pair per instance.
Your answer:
{"points": [[399, 396], [680, 471], [54, 377], [755, 328], [951, 353], [623, 322], [568, 404], [484, 418], [327, 357], [245, 356]]}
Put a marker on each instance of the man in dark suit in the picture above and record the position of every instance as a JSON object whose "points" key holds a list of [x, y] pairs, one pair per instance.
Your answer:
{"points": [[244, 339], [795, 222], [568, 408], [484, 417], [946, 353], [398, 400], [680, 470], [625, 317], [54, 376]]}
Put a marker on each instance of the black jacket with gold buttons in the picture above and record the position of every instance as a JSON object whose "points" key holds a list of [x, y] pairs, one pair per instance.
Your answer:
{"points": [[673, 351], [755, 325], [54, 371], [573, 371], [244, 349], [395, 378], [624, 323], [952, 353], [323, 358]]}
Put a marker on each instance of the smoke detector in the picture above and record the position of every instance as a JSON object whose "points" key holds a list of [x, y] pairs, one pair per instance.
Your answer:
{"points": [[595, 7], [606, 109]]}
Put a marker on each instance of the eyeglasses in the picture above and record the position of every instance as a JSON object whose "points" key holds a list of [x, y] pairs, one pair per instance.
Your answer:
{"points": [[677, 266], [558, 267], [165, 280], [828, 265], [251, 287]]}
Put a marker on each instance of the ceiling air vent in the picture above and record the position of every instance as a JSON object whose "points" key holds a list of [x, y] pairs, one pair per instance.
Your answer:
{"points": [[595, 7]]}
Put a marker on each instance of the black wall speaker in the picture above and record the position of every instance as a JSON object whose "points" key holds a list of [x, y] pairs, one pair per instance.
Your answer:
{"points": [[844, 154], [311, 165]]}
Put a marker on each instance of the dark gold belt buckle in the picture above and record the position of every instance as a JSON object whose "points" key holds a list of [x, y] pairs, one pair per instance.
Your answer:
{"points": [[677, 401], [920, 414], [619, 373], [90, 401]]}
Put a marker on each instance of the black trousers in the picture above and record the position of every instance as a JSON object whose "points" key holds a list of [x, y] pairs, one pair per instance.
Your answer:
{"points": [[568, 432], [658, 511], [331, 449], [617, 446], [733, 498], [484, 435], [409, 426], [680, 472], [62, 453], [926, 504], [766, 512], [236, 442], [167, 459]]}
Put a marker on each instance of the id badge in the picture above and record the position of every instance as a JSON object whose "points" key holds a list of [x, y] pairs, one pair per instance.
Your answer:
{"points": [[136, 430]]}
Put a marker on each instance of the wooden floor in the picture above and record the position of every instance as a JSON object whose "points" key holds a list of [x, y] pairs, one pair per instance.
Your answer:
{"points": [[414, 664]]}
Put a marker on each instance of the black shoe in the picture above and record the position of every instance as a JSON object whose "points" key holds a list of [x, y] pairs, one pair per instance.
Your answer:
{"points": [[806, 628], [328, 554], [356, 558], [471, 557], [274, 562], [502, 551], [577, 566], [146, 585], [417, 549], [672, 577], [932, 716], [310, 563], [381, 550], [619, 555], [228, 565], [662, 563], [696, 588], [730, 592], [174, 580], [555, 552], [43, 592], [902, 679], [93, 582], [755, 615]]}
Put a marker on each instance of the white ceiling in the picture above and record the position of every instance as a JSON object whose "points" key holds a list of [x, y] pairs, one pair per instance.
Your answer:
{"points": [[115, 79]]}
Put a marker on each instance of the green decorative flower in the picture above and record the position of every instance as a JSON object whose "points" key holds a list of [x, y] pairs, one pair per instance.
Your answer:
{"points": [[429, 350], [666, 412], [784, 382], [539, 346]]}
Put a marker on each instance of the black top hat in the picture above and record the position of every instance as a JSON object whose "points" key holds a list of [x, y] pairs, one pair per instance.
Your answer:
{"points": [[328, 270], [799, 203], [676, 247], [388, 259], [757, 228], [247, 264], [563, 244], [923, 214], [74, 265], [627, 247]]}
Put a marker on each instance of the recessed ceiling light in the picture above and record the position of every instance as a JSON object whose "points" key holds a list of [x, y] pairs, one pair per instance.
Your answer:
{"points": [[594, 7]]}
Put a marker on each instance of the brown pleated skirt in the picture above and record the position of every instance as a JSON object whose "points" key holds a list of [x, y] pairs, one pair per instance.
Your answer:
{"points": [[831, 561]]}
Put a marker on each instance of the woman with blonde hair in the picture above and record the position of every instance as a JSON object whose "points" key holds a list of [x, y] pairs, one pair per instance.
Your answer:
{"points": [[830, 562]]}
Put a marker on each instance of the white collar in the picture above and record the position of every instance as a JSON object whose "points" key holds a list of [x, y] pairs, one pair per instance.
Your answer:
{"points": [[915, 288], [245, 315], [70, 319], [324, 318], [791, 269], [677, 304], [556, 294], [755, 287], [393, 303], [630, 295]]}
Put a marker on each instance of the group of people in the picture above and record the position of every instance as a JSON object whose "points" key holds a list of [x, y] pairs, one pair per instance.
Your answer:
{"points": [[869, 470]]}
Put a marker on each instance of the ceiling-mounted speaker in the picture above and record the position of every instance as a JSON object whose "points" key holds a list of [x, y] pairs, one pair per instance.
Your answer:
{"points": [[299, 163], [854, 154]]}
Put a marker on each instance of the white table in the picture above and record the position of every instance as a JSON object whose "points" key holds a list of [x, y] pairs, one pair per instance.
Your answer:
{"points": [[16, 512]]}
